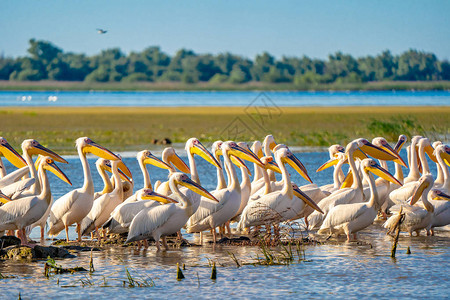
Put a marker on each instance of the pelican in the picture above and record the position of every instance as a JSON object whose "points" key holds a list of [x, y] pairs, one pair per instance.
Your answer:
{"points": [[439, 180], [441, 208], [401, 195], [145, 157], [121, 217], [20, 213], [274, 207], [246, 185], [171, 158], [166, 219], [268, 145], [353, 194], [102, 166], [416, 217], [351, 218], [124, 213], [104, 205], [338, 161], [32, 147], [75, 205], [209, 215], [257, 149], [10, 184]]}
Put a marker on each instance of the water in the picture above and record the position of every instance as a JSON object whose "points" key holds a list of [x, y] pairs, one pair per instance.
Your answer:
{"points": [[210, 98], [340, 270]]}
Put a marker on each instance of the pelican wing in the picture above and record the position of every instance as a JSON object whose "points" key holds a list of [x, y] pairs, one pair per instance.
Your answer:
{"points": [[342, 214], [13, 177], [11, 211], [148, 220], [62, 206], [15, 189], [124, 213]]}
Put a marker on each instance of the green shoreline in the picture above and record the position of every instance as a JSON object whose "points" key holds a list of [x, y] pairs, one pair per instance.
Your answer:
{"points": [[206, 86], [134, 128]]}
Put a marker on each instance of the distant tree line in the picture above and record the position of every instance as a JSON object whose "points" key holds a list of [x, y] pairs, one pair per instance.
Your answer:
{"points": [[48, 62]]}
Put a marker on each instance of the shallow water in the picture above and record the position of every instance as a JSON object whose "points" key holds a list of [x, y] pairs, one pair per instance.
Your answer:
{"points": [[211, 98], [338, 270]]}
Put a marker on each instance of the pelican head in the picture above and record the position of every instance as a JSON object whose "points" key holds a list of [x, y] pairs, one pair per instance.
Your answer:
{"points": [[383, 144], [269, 141], [147, 158], [149, 194], [402, 139], [172, 157], [184, 180], [33, 147], [299, 194], [105, 164], [47, 163], [374, 151], [257, 149], [371, 165], [86, 145], [234, 149], [216, 149], [283, 154], [269, 164], [444, 152], [333, 161], [194, 146], [436, 194], [4, 199], [333, 150], [10, 154], [424, 182], [425, 143]]}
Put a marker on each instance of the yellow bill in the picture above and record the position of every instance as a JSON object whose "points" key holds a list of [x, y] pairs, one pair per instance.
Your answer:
{"points": [[186, 182], [295, 163], [419, 191], [4, 199], [149, 194], [99, 151], [201, 151], [39, 149], [179, 163], [375, 151], [299, 194], [50, 165], [11, 155]]}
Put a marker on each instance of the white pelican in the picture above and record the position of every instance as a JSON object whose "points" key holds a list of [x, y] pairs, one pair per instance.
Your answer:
{"points": [[257, 149], [121, 217], [144, 158], [338, 161], [75, 205], [442, 209], [268, 145], [104, 165], [171, 158], [246, 185], [353, 194], [124, 213], [22, 212], [402, 195], [209, 215], [32, 147], [274, 207], [166, 219], [416, 217], [351, 218], [104, 205], [439, 180]]}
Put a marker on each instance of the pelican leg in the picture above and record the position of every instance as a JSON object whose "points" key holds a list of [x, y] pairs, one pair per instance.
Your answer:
{"points": [[158, 247], [42, 233], [165, 243], [354, 236], [145, 244], [227, 224], [22, 237], [66, 227], [78, 228], [214, 235], [179, 235], [201, 237], [432, 231]]}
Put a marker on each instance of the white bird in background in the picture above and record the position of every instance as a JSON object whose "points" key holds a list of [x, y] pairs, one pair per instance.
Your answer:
{"points": [[101, 31], [166, 219], [75, 205]]}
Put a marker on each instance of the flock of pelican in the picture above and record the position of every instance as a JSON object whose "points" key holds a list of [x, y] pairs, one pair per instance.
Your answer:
{"points": [[349, 204]]}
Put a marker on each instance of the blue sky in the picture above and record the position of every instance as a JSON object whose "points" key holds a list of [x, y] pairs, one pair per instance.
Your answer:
{"points": [[290, 28]]}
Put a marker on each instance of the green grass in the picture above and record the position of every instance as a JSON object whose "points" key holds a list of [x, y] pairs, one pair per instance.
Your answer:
{"points": [[179, 86], [133, 128]]}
